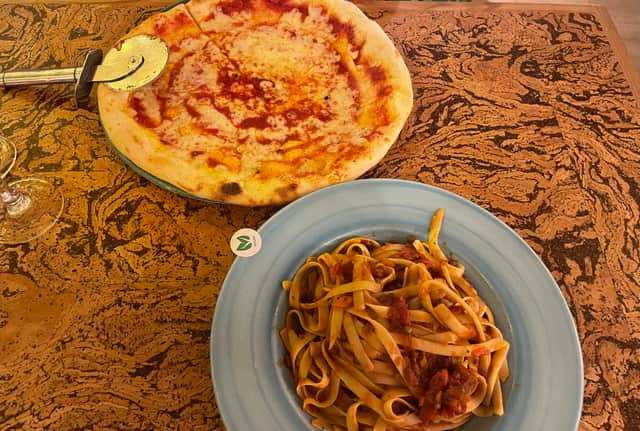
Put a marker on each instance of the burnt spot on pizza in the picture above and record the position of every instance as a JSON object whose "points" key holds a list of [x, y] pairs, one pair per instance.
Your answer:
{"points": [[231, 189], [326, 97], [196, 153], [287, 192], [212, 163]]}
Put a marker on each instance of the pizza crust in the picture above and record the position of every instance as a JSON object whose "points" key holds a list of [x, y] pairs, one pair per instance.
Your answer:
{"points": [[271, 180]]}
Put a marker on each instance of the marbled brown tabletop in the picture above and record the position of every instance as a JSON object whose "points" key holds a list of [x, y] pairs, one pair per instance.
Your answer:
{"points": [[528, 111]]}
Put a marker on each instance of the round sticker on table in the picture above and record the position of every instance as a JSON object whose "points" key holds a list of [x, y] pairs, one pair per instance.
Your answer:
{"points": [[245, 242]]}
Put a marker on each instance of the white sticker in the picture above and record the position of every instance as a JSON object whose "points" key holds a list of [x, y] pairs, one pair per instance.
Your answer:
{"points": [[245, 242]]}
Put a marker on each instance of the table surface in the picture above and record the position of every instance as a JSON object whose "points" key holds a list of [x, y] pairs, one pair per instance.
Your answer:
{"points": [[528, 111]]}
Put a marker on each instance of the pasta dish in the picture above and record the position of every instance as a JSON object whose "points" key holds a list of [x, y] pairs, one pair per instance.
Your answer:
{"points": [[392, 337]]}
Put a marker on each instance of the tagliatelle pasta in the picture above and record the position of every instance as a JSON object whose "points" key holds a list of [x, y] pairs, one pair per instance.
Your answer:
{"points": [[392, 337]]}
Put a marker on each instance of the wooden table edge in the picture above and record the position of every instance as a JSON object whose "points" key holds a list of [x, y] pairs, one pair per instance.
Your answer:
{"points": [[621, 52]]}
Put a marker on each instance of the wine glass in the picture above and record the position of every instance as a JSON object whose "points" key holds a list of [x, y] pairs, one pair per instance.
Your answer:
{"points": [[30, 206]]}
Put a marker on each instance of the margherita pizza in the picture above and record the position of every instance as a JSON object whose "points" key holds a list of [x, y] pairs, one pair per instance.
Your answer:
{"points": [[262, 101]]}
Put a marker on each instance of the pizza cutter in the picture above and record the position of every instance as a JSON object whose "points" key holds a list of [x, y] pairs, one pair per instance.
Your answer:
{"points": [[135, 62]]}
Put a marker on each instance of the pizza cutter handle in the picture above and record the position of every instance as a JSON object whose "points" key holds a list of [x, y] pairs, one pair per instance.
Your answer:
{"points": [[36, 77], [81, 76]]}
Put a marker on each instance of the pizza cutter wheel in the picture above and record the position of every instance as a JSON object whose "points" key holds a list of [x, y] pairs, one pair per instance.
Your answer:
{"points": [[135, 62]]}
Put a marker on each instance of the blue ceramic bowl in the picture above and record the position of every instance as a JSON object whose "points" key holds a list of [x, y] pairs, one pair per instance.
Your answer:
{"points": [[254, 391]]}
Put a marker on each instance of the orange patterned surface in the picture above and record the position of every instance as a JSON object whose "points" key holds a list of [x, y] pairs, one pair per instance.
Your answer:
{"points": [[105, 320]]}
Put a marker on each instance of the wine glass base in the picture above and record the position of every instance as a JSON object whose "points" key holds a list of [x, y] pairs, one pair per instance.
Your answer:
{"points": [[38, 208], [7, 156]]}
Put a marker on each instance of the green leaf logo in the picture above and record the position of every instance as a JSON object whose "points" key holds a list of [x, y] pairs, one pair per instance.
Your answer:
{"points": [[245, 243]]}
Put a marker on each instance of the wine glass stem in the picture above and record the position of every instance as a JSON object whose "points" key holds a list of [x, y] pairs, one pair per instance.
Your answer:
{"points": [[13, 201]]}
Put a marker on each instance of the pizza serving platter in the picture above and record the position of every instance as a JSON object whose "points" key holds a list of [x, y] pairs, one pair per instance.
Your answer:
{"points": [[157, 181]]}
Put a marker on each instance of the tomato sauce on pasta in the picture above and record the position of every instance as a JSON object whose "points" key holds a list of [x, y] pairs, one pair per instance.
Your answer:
{"points": [[392, 337]]}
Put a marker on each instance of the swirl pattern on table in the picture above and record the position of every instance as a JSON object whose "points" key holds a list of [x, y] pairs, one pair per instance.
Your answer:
{"points": [[530, 113]]}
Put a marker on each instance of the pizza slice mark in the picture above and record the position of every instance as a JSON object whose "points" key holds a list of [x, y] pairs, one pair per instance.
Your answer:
{"points": [[153, 105], [165, 25], [182, 110]]}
